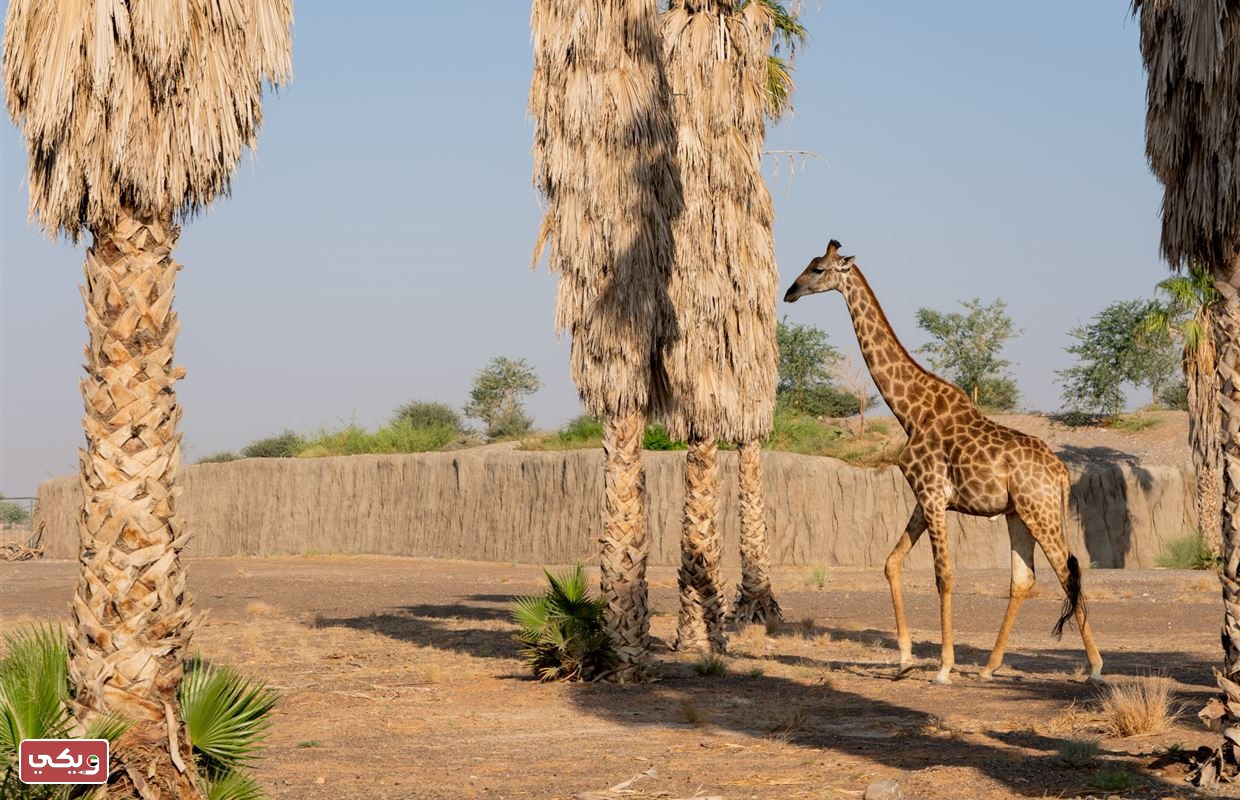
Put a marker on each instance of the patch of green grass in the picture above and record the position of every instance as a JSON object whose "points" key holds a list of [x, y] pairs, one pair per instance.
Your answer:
{"points": [[1112, 780], [1132, 423], [397, 437], [1189, 551], [1078, 753], [818, 577], [756, 672], [711, 666], [310, 743], [880, 427]]}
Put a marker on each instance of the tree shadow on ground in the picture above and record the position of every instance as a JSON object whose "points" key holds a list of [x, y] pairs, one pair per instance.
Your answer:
{"points": [[821, 716], [424, 625]]}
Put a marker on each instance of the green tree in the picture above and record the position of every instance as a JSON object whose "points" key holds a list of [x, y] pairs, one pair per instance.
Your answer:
{"points": [[12, 513], [496, 397], [806, 365], [966, 347], [1118, 347]]}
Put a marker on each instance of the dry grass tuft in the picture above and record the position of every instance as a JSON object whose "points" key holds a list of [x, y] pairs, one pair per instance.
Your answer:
{"points": [[690, 712], [1139, 706], [787, 727], [1068, 721]]}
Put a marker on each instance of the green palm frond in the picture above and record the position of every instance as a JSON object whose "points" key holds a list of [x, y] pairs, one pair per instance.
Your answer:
{"points": [[34, 688], [227, 714], [234, 785], [1190, 299], [779, 87]]}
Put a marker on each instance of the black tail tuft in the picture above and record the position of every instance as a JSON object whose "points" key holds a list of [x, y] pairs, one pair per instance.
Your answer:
{"points": [[1073, 601]]}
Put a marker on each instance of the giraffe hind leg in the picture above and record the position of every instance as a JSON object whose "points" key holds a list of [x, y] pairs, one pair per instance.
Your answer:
{"points": [[1023, 579], [1048, 533]]}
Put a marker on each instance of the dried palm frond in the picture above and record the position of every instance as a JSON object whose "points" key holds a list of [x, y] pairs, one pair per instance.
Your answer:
{"points": [[145, 106], [602, 160], [1192, 54], [722, 366]]}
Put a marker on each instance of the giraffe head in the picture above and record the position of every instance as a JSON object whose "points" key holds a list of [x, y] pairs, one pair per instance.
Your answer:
{"points": [[825, 273]]}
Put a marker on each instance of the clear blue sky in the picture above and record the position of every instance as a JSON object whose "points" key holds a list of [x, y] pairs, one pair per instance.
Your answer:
{"points": [[376, 247]]}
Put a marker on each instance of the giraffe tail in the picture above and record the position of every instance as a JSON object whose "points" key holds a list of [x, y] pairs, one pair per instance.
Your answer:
{"points": [[1072, 586]]}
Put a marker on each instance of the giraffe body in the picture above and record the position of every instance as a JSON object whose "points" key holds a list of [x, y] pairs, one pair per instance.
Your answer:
{"points": [[957, 459]]}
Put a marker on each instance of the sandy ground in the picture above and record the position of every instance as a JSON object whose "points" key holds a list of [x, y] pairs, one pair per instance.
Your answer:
{"points": [[399, 681]]}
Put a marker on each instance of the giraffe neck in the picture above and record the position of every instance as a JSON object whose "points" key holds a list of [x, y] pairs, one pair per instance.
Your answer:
{"points": [[900, 380]]}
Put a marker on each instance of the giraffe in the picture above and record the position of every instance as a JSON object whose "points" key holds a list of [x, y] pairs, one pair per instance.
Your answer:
{"points": [[957, 459]]}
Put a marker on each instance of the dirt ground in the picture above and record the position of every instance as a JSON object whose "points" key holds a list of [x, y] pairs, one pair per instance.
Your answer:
{"points": [[399, 680]]}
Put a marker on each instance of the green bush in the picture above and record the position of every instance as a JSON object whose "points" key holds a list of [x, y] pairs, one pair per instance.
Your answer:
{"points": [[1187, 552], [562, 634], [285, 445], [582, 428], [221, 457], [1175, 396], [422, 414], [656, 438], [511, 424]]}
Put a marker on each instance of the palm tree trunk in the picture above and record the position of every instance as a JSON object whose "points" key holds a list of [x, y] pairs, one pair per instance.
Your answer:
{"points": [[1204, 429], [132, 618], [1225, 762], [625, 546], [755, 601], [701, 597]]}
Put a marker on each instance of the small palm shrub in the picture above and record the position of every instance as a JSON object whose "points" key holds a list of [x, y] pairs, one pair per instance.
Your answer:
{"points": [[562, 634], [226, 713]]}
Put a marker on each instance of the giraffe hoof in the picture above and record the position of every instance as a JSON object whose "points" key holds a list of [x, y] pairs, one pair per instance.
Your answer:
{"points": [[942, 679], [987, 674], [1096, 679], [904, 669]]}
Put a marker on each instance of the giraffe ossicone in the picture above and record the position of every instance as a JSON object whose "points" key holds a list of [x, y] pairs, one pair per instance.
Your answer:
{"points": [[957, 459]]}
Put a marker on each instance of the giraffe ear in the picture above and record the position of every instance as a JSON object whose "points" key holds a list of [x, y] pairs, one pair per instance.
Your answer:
{"points": [[833, 247], [846, 262]]}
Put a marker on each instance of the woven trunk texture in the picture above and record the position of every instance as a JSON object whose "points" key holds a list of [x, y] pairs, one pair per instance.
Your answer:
{"points": [[755, 599], [701, 592], [625, 545], [132, 617]]}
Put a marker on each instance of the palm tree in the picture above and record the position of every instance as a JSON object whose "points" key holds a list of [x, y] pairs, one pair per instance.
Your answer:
{"points": [[1189, 314], [722, 367], [1192, 57], [755, 597], [135, 115], [602, 160]]}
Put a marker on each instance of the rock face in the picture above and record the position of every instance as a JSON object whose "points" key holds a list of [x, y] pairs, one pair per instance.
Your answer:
{"points": [[500, 504]]}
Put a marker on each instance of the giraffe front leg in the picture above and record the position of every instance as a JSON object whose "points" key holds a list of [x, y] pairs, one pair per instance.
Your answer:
{"points": [[935, 509], [895, 567]]}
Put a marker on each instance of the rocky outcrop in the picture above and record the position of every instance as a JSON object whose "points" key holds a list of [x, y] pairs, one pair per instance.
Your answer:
{"points": [[500, 504]]}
